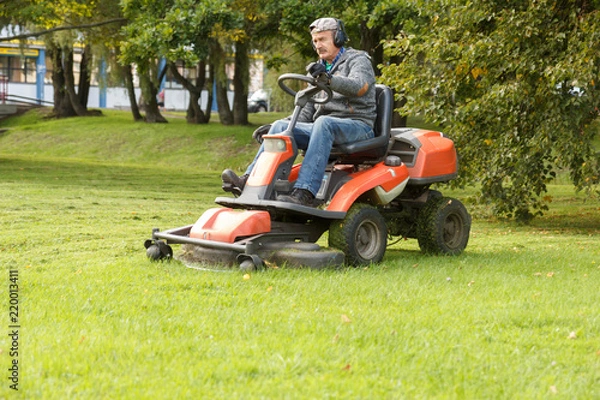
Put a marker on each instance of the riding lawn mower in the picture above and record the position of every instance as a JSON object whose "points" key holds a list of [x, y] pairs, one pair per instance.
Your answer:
{"points": [[372, 189]]}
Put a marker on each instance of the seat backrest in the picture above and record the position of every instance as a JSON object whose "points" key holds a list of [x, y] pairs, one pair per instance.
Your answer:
{"points": [[370, 150], [385, 103]]}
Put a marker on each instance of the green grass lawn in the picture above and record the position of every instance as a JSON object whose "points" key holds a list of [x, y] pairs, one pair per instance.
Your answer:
{"points": [[515, 316]]}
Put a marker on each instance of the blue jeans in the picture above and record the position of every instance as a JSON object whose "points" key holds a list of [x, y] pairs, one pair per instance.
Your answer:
{"points": [[316, 139]]}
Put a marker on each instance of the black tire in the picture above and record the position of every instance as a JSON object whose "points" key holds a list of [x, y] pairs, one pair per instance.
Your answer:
{"points": [[361, 235], [153, 253], [443, 226], [157, 250]]}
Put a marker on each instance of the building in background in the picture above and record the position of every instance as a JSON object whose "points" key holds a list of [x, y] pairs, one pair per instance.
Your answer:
{"points": [[26, 77]]}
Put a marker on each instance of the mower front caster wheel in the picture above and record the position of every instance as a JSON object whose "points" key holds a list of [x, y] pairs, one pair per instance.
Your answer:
{"points": [[157, 250], [361, 235], [249, 262]]}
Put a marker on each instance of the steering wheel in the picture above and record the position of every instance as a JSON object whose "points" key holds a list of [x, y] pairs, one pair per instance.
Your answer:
{"points": [[315, 86]]}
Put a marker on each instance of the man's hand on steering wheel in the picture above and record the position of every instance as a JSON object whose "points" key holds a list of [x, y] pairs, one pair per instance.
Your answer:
{"points": [[319, 72], [308, 94]]}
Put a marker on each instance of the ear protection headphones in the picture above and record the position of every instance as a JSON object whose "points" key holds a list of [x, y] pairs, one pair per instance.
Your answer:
{"points": [[339, 37]]}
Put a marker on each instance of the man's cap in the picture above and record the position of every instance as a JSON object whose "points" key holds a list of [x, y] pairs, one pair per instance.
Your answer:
{"points": [[324, 24]]}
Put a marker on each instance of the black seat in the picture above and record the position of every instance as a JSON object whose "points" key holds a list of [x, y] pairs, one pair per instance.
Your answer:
{"points": [[370, 150]]}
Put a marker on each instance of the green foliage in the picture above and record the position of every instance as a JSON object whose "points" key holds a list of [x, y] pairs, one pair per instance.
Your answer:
{"points": [[176, 30], [498, 80], [17, 13]]}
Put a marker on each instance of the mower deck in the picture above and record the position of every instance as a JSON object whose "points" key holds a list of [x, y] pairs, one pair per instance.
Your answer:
{"points": [[288, 243]]}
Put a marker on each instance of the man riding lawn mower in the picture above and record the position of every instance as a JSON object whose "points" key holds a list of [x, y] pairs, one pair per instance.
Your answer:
{"points": [[360, 180]]}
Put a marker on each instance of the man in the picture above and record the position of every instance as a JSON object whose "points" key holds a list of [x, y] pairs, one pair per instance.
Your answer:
{"points": [[348, 117]]}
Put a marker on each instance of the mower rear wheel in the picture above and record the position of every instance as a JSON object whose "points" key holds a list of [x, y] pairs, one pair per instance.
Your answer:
{"points": [[443, 226], [361, 235]]}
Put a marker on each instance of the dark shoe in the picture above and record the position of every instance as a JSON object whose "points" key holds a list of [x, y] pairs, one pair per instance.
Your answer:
{"points": [[231, 181], [228, 176], [301, 197]]}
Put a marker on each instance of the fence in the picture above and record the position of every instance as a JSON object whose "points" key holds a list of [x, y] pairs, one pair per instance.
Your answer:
{"points": [[3, 89]]}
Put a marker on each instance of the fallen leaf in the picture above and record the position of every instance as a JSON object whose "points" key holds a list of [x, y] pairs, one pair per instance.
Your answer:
{"points": [[246, 277], [471, 283], [553, 389], [347, 367], [550, 274], [572, 335], [335, 338], [269, 288], [345, 319]]}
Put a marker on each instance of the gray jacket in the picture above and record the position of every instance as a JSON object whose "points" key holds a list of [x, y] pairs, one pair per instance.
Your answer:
{"points": [[353, 85]]}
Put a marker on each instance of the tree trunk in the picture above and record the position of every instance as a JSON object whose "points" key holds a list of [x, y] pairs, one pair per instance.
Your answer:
{"points": [[370, 39], [194, 114], [135, 110], [84, 77], [70, 82], [211, 80], [149, 92], [199, 117], [225, 114], [240, 84], [62, 105], [218, 58]]}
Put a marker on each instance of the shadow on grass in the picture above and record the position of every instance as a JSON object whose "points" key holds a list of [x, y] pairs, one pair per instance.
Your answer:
{"points": [[584, 222]]}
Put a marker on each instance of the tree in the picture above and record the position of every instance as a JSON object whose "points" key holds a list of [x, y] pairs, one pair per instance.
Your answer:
{"points": [[195, 114], [219, 59], [500, 81], [70, 24], [62, 25], [191, 25], [144, 44], [253, 23], [182, 32]]}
